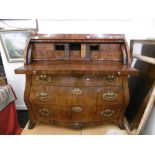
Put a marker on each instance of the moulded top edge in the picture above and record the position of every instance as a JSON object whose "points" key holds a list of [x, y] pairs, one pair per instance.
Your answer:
{"points": [[77, 36]]}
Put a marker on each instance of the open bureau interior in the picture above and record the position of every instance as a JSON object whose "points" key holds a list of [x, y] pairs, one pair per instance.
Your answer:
{"points": [[79, 51]]}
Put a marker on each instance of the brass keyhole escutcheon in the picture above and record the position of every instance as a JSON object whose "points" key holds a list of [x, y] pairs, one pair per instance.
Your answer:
{"points": [[77, 91], [76, 109]]}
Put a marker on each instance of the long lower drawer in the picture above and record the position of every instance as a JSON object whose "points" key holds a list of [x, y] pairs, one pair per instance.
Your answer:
{"points": [[77, 113]]}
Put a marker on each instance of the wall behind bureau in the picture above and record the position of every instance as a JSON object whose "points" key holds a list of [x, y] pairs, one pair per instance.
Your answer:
{"points": [[133, 29]]}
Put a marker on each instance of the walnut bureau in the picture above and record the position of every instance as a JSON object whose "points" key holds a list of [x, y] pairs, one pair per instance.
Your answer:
{"points": [[77, 80]]}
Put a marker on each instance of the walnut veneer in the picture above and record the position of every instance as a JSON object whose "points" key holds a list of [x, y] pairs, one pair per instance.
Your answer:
{"points": [[77, 80]]}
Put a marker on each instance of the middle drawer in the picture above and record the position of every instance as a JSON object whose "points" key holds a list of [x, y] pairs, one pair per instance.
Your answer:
{"points": [[76, 95]]}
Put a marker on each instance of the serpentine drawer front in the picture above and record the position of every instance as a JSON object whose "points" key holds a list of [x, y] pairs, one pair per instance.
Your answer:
{"points": [[77, 80], [78, 113]]}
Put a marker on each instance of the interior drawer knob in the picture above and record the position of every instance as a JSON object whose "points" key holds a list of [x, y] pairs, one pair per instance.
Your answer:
{"points": [[107, 112], [111, 79], [76, 109], [43, 78], [109, 96], [77, 91], [45, 112], [43, 96]]}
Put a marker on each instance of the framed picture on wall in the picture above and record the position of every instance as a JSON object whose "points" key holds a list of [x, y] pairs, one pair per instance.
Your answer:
{"points": [[14, 42]]}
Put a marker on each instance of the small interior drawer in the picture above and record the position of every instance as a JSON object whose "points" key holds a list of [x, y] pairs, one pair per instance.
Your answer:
{"points": [[43, 46], [110, 47], [43, 51]]}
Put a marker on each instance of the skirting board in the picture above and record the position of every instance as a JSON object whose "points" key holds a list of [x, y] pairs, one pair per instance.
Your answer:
{"points": [[21, 107]]}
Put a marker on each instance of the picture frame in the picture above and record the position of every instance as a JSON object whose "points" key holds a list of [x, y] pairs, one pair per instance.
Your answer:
{"points": [[142, 87], [13, 43]]}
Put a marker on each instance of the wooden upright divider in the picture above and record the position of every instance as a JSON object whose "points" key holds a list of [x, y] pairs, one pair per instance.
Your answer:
{"points": [[83, 50]]}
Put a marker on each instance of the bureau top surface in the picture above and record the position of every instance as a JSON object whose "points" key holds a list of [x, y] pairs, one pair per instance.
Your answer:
{"points": [[77, 36], [68, 68]]}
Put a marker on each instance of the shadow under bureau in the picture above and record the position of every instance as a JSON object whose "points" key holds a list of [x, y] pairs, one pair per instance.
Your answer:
{"points": [[77, 80]]}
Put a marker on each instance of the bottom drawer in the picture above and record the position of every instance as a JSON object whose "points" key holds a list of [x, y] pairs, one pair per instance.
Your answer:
{"points": [[77, 113]]}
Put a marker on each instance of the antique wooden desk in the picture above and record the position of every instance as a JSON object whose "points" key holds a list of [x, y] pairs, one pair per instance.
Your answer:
{"points": [[77, 80]]}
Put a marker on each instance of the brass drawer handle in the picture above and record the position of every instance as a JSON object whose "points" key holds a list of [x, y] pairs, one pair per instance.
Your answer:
{"points": [[77, 91], [109, 96], [107, 112], [111, 79], [43, 96], [45, 112], [76, 109], [43, 78]]}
